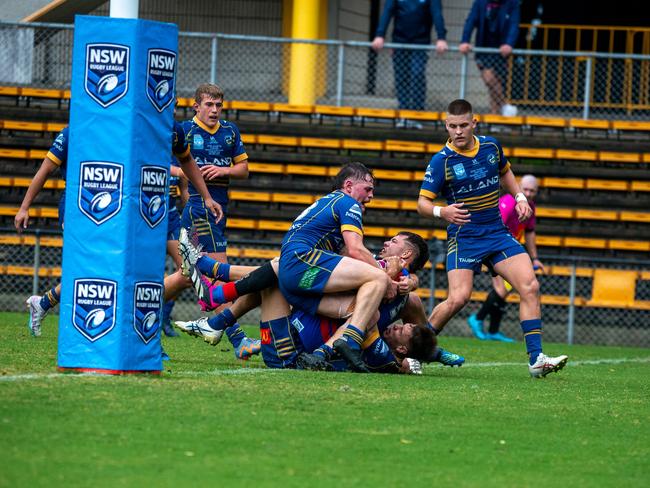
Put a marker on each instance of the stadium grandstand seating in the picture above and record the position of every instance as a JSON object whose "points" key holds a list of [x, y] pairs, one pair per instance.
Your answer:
{"points": [[594, 191]]}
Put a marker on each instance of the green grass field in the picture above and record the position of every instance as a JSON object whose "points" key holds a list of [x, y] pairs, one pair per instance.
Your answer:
{"points": [[212, 421]]}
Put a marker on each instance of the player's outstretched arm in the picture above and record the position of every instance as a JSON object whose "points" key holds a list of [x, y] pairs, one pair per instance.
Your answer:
{"points": [[193, 173], [21, 221]]}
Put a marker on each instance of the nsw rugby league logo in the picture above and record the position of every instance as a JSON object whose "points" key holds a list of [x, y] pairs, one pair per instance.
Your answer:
{"points": [[147, 309], [107, 72], [100, 190], [161, 77], [153, 201], [94, 307]]}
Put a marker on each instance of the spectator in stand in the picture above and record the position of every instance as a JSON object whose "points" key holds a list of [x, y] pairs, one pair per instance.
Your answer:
{"points": [[497, 25], [412, 25]]}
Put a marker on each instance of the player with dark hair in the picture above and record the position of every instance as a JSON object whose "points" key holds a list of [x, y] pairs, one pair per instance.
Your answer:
{"points": [[407, 247], [467, 172]]}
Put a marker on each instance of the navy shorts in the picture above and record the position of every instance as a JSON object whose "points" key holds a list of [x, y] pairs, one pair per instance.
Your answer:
{"points": [[313, 330], [304, 272], [173, 224], [470, 246], [211, 234]]}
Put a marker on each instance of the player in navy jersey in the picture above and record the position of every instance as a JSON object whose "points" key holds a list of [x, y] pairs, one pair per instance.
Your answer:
{"points": [[57, 157], [217, 147], [467, 172], [177, 189], [218, 150], [315, 330]]}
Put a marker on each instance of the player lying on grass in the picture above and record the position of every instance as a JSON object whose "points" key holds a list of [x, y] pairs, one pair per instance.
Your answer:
{"points": [[409, 248]]}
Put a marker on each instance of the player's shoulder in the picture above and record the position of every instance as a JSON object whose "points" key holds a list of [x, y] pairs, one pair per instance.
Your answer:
{"points": [[227, 124], [441, 156], [488, 141]]}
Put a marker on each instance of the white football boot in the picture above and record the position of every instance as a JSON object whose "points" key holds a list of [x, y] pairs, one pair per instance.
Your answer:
{"points": [[545, 365], [200, 328]]}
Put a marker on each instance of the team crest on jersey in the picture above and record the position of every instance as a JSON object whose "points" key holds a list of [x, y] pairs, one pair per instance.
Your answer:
{"points": [[100, 190], [197, 141], [147, 309], [161, 77], [459, 171], [492, 158], [107, 72], [153, 202], [94, 307]]}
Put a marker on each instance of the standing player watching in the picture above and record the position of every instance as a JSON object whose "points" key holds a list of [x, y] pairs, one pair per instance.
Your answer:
{"points": [[467, 172], [219, 152], [495, 303], [57, 156]]}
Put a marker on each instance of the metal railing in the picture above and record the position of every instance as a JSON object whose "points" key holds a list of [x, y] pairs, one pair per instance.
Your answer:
{"points": [[539, 82]]}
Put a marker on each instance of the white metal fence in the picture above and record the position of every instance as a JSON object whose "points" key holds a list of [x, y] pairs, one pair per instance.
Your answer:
{"points": [[545, 83]]}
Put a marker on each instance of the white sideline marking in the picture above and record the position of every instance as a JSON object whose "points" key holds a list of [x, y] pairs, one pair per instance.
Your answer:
{"points": [[251, 371]]}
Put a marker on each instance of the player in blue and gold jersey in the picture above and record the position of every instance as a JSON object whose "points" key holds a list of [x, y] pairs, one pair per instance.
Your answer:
{"points": [[467, 172], [218, 150], [57, 157]]}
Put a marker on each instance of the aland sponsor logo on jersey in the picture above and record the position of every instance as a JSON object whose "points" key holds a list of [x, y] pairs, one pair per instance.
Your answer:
{"points": [[153, 202], [93, 313], [161, 77], [100, 190], [147, 309], [107, 72]]}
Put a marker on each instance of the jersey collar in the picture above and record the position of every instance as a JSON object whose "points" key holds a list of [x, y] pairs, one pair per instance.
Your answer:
{"points": [[205, 127], [470, 154]]}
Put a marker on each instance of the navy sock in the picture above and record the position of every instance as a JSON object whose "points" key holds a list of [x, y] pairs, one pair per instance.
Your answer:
{"points": [[324, 352], [235, 335], [213, 268], [280, 343], [433, 329], [50, 299], [353, 336], [222, 320], [533, 336], [167, 310]]}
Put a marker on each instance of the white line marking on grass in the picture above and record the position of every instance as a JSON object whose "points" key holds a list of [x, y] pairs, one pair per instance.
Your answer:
{"points": [[253, 371]]}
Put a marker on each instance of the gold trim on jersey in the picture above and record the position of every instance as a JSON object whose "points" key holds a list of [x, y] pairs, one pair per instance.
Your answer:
{"points": [[428, 194], [240, 158], [53, 158], [505, 168], [469, 153], [352, 228], [370, 338], [212, 132]]}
